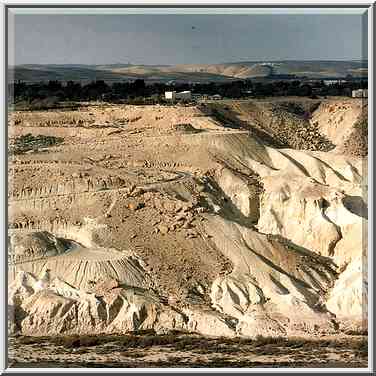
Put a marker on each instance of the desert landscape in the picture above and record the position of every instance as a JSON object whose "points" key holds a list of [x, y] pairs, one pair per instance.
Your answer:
{"points": [[189, 72], [226, 233]]}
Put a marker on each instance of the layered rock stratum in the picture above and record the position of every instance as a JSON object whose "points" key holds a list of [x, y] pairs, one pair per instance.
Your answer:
{"points": [[227, 219]]}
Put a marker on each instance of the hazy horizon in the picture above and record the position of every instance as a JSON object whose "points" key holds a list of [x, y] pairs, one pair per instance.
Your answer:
{"points": [[184, 39], [213, 63]]}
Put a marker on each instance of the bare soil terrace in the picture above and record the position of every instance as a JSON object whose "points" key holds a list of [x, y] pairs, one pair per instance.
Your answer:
{"points": [[219, 235]]}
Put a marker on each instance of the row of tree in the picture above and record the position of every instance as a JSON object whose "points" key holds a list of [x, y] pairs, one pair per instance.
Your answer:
{"points": [[125, 91]]}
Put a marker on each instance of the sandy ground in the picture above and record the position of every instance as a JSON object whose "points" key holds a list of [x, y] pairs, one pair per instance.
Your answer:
{"points": [[179, 351]]}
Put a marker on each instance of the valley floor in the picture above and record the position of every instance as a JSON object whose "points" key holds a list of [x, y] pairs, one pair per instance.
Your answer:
{"points": [[180, 351]]}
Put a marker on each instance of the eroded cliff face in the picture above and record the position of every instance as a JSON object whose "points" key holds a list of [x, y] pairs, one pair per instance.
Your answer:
{"points": [[173, 222], [344, 123]]}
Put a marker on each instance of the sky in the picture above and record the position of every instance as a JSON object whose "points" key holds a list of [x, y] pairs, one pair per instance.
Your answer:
{"points": [[183, 39]]}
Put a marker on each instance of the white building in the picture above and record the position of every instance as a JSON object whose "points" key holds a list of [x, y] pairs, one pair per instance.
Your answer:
{"points": [[360, 93], [333, 82], [183, 96], [171, 95]]}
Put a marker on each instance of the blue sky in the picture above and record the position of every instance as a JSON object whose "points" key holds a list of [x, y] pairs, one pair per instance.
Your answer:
{"points": [[182, 39]]}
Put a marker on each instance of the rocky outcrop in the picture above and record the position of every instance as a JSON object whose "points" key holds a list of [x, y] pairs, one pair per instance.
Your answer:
{"points": [[180, 223], [271, 280], [62, 309]]}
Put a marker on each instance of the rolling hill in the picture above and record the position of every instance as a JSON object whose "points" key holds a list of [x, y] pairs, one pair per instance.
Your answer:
{"points": [[187, 72]]}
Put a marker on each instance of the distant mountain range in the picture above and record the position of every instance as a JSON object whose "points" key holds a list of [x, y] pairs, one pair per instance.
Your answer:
{"points": [[188, 72]]}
